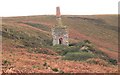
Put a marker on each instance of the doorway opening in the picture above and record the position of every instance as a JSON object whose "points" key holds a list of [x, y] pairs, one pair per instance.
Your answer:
{"points": [[60, 40]]}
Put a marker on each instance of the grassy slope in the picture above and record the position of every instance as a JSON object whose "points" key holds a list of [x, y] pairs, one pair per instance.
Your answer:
{"points": [[100, 29], [103, 26]]}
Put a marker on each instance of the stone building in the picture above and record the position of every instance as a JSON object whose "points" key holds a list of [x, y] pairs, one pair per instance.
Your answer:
{"points": [[59, 31]]}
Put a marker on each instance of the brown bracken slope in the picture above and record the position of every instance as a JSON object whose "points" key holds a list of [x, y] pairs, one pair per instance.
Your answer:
{"points": [[101, 30]]}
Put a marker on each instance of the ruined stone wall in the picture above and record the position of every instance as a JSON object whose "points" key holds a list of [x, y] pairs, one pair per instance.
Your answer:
{"points": [[60, 32]]}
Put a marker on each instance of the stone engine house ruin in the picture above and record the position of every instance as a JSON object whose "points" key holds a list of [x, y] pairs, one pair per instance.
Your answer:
{"points": [[59, 31]]}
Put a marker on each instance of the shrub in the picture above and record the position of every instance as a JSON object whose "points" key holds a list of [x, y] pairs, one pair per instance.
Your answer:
{"points": [[83, 43], [62, 50], [6, 62], [105, 57], [55, 69], [45, 64], [112, 61], [99, 52], [79, 56], [34, 66], [72, 44], [97, 61]]}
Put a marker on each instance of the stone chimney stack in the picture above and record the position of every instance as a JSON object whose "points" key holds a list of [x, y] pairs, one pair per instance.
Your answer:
{"points": [[58, 14], [59, 31]]}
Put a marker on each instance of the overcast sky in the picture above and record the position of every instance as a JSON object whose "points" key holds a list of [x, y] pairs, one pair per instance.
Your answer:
{"points": [[48, 7]]}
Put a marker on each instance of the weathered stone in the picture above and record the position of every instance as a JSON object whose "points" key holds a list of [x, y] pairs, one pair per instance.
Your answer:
{"points": [[59, 31]]}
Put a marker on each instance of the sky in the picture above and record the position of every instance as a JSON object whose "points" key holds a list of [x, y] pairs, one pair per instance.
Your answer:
{"points": [[48, 7]]}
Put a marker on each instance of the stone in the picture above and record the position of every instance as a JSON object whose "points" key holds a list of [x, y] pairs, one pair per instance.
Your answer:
{"points": [[59, 31]]}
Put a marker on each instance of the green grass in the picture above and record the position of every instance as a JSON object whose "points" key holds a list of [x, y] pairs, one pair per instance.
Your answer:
{"points": [[40, 26], [62, 50], [26, 39]]}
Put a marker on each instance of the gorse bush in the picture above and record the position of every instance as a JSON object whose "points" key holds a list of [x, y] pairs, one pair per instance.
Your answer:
{"points": [[97, 61], [62, 50], [112, 61], [55, 69], [79, 56], [6, 62], [75, 52]]}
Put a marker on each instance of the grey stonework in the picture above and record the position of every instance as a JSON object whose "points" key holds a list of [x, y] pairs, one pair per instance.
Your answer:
{"points": [[59, 31], [60, 35]]}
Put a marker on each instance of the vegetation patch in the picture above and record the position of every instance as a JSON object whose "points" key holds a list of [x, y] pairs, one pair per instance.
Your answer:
{"points": [[97, 61], [112, 61], [40, 26], [79, 56], [62, 50], [55, 69], [6, 62], [34, 66], [83, 51], [26, 40], [42, 50]]}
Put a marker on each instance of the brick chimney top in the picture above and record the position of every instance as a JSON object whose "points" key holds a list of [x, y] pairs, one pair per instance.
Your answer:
{"points": [[58, 12]]}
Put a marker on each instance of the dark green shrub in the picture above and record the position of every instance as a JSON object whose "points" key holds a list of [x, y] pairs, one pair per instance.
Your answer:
{"points": [[87, 41], [99, 52], [55, 69], [79, 56], [6, 62], [62, 50], [72, 44], [113, 61], [45, 64]]}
